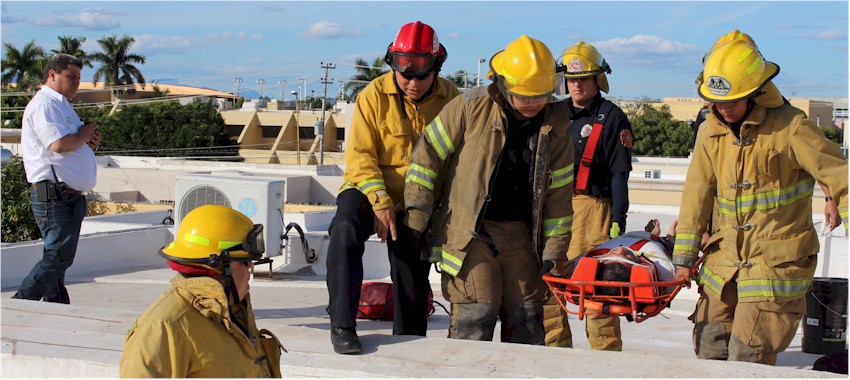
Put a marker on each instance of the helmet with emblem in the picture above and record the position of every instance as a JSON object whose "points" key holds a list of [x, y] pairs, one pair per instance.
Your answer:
{"points": [[583, 60], [735, 70]]}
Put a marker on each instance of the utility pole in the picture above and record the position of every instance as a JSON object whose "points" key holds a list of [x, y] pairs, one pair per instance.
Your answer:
{"points": [[261, 81], [321, 129], [236, 81]]}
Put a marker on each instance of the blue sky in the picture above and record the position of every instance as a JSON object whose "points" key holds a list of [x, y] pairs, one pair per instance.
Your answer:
{"points": [[654, 48]]}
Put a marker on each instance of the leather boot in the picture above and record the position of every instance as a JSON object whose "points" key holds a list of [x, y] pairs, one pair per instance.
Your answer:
{"points": [[345, 340]]}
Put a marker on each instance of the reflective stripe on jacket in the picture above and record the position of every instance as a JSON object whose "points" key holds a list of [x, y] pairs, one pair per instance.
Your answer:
{"points": [[451, 169], [763, 184], [188, 332], [377, 149]]}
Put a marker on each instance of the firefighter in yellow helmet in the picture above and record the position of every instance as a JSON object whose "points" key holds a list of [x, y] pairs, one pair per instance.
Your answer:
{"points": [[759, 158], [602, 141], [495, 166], [204, 325]]}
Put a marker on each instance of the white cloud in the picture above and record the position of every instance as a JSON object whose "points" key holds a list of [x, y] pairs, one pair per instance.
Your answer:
{"points": [[88, 19], [827, 35], [328, 29], [148, 44], [237, 36], [451, 36], [643, 44]]}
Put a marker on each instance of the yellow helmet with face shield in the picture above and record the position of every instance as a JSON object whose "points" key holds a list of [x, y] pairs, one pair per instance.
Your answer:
{"points": [[583, 60], [527, 69], [211, 235]]}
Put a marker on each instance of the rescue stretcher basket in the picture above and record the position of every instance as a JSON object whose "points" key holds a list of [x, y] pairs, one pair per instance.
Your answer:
{"points": [[636, 301], [639, 299]]}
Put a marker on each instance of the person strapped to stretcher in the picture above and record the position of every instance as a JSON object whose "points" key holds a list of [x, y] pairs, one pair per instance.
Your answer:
{"points": [[631, 275]]}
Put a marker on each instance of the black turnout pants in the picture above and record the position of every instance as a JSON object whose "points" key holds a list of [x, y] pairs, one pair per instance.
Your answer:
{"points": [[349, 230]]}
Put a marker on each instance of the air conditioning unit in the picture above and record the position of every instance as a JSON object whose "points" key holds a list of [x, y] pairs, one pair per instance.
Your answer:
{"points": [[652, 174], [260, 199]]}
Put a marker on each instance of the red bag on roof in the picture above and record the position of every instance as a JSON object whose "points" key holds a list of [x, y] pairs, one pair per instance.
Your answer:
{"points": [[376, 301]]}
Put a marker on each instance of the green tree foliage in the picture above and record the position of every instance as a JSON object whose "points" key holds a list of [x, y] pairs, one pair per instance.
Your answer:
{"points": [[363, 74], [117, 62], [24, 67], [12, 107], [164, 129], [74, 46], [656, 133], [18, 223], [461, 79]]}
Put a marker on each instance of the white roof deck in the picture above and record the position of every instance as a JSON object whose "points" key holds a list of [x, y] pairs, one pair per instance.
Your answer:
{"points": [[112, 281]]}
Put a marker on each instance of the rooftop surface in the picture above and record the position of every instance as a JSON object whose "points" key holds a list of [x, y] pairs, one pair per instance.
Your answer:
{"points": [[84, 340]]}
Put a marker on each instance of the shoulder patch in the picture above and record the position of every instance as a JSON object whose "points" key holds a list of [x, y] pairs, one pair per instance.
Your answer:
{"points": [[626, 138]]}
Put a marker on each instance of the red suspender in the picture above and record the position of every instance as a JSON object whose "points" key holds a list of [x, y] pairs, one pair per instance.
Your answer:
{"points": [[587, 159]]}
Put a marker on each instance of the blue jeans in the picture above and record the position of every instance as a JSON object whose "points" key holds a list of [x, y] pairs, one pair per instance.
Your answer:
{"points": [[59, 221]]}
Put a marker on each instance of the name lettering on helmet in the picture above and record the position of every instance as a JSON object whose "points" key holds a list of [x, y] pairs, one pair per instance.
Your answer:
{"points": [[718, 86]]}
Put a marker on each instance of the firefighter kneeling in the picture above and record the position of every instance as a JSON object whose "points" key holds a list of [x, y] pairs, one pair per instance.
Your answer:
{"points": [[204, 325]]}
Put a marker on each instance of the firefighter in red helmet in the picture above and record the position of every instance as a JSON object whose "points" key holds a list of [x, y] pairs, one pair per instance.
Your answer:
{"points": [[391, 113]]}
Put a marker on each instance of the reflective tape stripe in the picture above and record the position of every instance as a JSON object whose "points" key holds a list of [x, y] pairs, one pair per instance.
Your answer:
{"points": [[767, 200], [710, 281], [440, 140], [772, 288], [371, 184], [449, 263], [562, 177], [687, 243], [346, 186], [557, 226], [744, 54], [228, 244], [421, 175], [843, 215], [197, 239]]}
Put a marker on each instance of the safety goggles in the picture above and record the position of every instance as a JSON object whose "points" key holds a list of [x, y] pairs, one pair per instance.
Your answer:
{"points": [[412, 76], [419, 64], [254, 245]]}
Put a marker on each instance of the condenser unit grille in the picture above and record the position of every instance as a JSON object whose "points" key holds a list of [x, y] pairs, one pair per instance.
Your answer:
{"points": [[199, 196]]}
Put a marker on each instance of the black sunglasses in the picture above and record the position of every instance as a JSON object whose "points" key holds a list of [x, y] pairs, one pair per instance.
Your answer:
{"points": [[410, 76]]}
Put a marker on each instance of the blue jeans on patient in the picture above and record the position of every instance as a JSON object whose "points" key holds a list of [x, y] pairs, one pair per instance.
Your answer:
{"points": [[59, 221]]}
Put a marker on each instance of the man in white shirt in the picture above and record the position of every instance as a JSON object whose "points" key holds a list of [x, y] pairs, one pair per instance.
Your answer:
{"points": [[58, 152]]}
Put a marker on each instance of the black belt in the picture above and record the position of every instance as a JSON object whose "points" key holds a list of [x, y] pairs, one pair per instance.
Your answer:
{"points": [[62, 188]]}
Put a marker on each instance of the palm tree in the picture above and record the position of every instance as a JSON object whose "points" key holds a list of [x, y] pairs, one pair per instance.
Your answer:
{"points": [[73, 46], [22, 66], [117, 62], [363, 74]]}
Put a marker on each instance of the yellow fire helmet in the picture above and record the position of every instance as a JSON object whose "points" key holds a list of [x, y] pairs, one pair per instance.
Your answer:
{"points": [[526, 69], [583, 60], [724, 39], [211, 235], [735, 70]]}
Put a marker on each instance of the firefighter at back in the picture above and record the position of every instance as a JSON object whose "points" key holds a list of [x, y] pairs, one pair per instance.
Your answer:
{"points": [[760, 158], [390, 114], [204, 325], [494, 167], [602, 140]]}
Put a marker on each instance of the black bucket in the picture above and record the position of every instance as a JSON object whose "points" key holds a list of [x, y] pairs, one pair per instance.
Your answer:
{"points": [[825, 322]]}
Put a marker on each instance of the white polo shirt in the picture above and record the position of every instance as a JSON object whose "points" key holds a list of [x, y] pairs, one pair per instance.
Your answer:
{"points": [[48, 117]]}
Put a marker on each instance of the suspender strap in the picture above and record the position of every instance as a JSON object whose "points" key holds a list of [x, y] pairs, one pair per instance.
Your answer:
{"points": [[590, 147], [587, 158]]}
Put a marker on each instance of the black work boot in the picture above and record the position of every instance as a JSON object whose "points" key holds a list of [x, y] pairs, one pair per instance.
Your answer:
{"points": [[345, 340]]}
